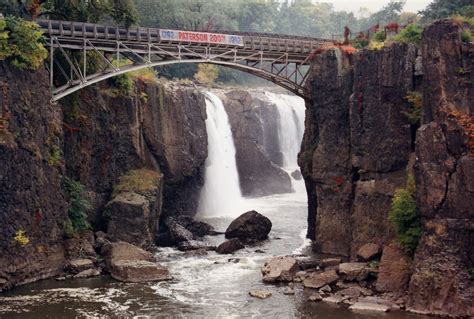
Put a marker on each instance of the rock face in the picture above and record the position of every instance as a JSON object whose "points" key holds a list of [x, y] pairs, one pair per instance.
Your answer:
{"points": [[129, 263], [369, 251], [94, 136], [444, 174], [394, 270], [280, 269], [133, 217], [32, 204], [160, 127], [249, 226], [248, 116], [174, 129], [353, 271], [357, 145]]}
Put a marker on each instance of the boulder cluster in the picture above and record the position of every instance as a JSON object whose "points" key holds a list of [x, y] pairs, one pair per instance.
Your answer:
{"points": [[98, 253], [361, 285]]}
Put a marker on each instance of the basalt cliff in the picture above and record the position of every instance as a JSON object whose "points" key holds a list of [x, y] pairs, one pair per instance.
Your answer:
{"points": [[139, 157], [360, 146]]}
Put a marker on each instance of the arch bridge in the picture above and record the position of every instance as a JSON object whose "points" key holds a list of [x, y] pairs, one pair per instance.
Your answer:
{"points": [[281, 59]]}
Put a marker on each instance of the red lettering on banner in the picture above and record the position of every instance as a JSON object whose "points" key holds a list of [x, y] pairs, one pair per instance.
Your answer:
{"points": [[193, 36]]}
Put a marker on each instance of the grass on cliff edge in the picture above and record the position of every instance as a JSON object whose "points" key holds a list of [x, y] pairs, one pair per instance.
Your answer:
{"points": [[404, 216], [138, 181]]}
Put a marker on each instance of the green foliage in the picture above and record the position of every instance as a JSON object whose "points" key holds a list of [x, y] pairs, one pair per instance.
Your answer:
{"points": [[467, 11], [471, 273], [138, 181], [404, 216], [439, 9], [415, 99], [123, 12], [20, 238], [466, 36], [78, 206], [123, 84], [55, 156], [410, 34], [374, 264], [207, 74], [22, 43], [380, 36], [360, 43], [143, 97], [5, 49]]}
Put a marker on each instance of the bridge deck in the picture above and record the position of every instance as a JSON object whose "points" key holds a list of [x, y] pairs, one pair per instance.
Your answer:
{"points": [[77, 31]]}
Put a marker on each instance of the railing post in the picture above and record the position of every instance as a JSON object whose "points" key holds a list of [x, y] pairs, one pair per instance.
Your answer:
{"points": [[85, 58], [51, 65], [118, 54]]}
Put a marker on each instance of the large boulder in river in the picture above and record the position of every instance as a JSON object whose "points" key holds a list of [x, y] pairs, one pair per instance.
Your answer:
{"points": [[249, 226], [230, 246], [130, 263], [280, 269], [178, 229]]}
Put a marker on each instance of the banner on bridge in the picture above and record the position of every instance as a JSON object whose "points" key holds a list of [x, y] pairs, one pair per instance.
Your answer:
{"points": [[201, 37]]}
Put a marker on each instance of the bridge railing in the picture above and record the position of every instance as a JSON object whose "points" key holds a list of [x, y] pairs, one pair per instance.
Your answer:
{"points": [[251, 41]]}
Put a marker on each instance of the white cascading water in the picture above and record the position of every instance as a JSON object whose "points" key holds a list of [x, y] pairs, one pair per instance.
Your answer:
{"points": [[291, 128], [220, 195]]}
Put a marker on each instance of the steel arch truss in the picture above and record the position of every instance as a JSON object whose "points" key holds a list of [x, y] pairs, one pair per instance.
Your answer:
{"points": [[68, 62]]}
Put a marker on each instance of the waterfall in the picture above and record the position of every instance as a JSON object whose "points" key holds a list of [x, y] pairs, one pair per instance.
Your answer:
{"points": [[291, 126], [220, 195]]}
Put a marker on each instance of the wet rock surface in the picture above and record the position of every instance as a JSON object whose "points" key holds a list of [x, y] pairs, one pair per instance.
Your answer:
{"points": [[130, 263], [230, 246], [249, 116], [280, 269], [261, 294], [318, 280], [249, 226]]}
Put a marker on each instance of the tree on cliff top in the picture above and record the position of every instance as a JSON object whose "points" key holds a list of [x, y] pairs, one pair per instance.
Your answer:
{"points": [[439, 9], [120, 11]]}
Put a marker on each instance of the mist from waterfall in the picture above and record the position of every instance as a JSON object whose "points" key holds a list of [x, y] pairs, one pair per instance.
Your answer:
{"points": [[291, 109], [220, 195]]}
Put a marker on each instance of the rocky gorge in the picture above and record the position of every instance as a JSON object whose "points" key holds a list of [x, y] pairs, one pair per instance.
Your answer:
{"points": [[139, 160]]}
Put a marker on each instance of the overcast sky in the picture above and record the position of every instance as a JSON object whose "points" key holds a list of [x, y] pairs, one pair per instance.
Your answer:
{"points": [[374, 5]]}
